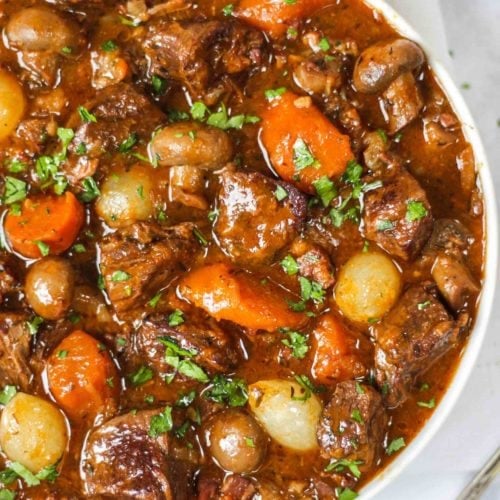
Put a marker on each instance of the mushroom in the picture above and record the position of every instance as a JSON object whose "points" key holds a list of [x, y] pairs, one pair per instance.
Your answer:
{"points": [[382, 63]]}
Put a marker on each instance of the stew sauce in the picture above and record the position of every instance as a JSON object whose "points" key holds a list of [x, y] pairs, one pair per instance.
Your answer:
{"points": [[242, 248]]}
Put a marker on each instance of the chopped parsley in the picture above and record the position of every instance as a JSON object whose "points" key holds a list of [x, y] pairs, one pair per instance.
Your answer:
{"points": [[415, 210], [202, 240], [306, 385], [186, 399], [359, 388], [16, 166], [311, 290], [250, 442], [427, 404], [281, 193], [62, 354], [46, 167], [395, 445], [141, 376], [109, 46], [296, 341], [176, 318], [119, 276], [228, 10], [15, 471], [302, 156], [8, 392], [345, 494], [381, 133], [220, 118], [154, 300], [324, 44], [326, 190], [227, 390], [356, 416], [161, 423], [272, 94], [384, 225], [180, 359], [90, 190], [290, 265], [85, 115], [342, 464], [159, 84], [15, 190], [43, 247], [34, 325], [128, 143], [79, 248], [423, 305]]}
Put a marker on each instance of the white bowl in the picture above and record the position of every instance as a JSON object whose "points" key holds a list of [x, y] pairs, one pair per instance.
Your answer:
{"points": [[471, 351]]}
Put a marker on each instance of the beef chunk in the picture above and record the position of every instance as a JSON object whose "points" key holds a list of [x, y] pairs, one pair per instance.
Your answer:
{"points": [[314, 262], [402, 102], [397, 216], [122, 460], [253, 225], [120, 111], [353, 424], [199, 54], [410, 339], [449, 236], [237, 487], [14, 350], [214, 348], [8, 281], [140, 259]]}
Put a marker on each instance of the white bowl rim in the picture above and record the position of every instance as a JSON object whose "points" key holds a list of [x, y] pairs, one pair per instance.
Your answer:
{"points": [[473, 346]]}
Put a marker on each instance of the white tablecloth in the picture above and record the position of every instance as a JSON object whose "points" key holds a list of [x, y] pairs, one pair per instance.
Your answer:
{"points": [[470, 29]]}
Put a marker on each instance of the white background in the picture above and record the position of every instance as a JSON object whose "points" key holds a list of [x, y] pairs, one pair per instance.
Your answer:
{"points": [[470, 29]]}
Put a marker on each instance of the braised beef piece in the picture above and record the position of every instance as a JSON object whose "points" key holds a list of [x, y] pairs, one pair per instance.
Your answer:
{"points": [[252, 225], [8, 280], [199, 54], [140, 259], [353, 424], [415, 333], [314, 262], [402, 102], [236, 487], [120, 111], [121, 459], [398, 217], [15, 341], [215, 350], [449, 236]]}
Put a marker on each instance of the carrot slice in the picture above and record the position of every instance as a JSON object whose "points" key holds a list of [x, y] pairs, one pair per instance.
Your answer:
{"points": [[302, 144], [82, 376], [276, 16], [237, 296], [338, 353], [45, 222]]}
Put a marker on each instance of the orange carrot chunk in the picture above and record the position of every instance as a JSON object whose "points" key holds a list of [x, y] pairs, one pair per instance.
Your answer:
{"points": [[302, 144], [276, 16], [46, 225], [240, 297], [82, 376], [338, 354]]}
